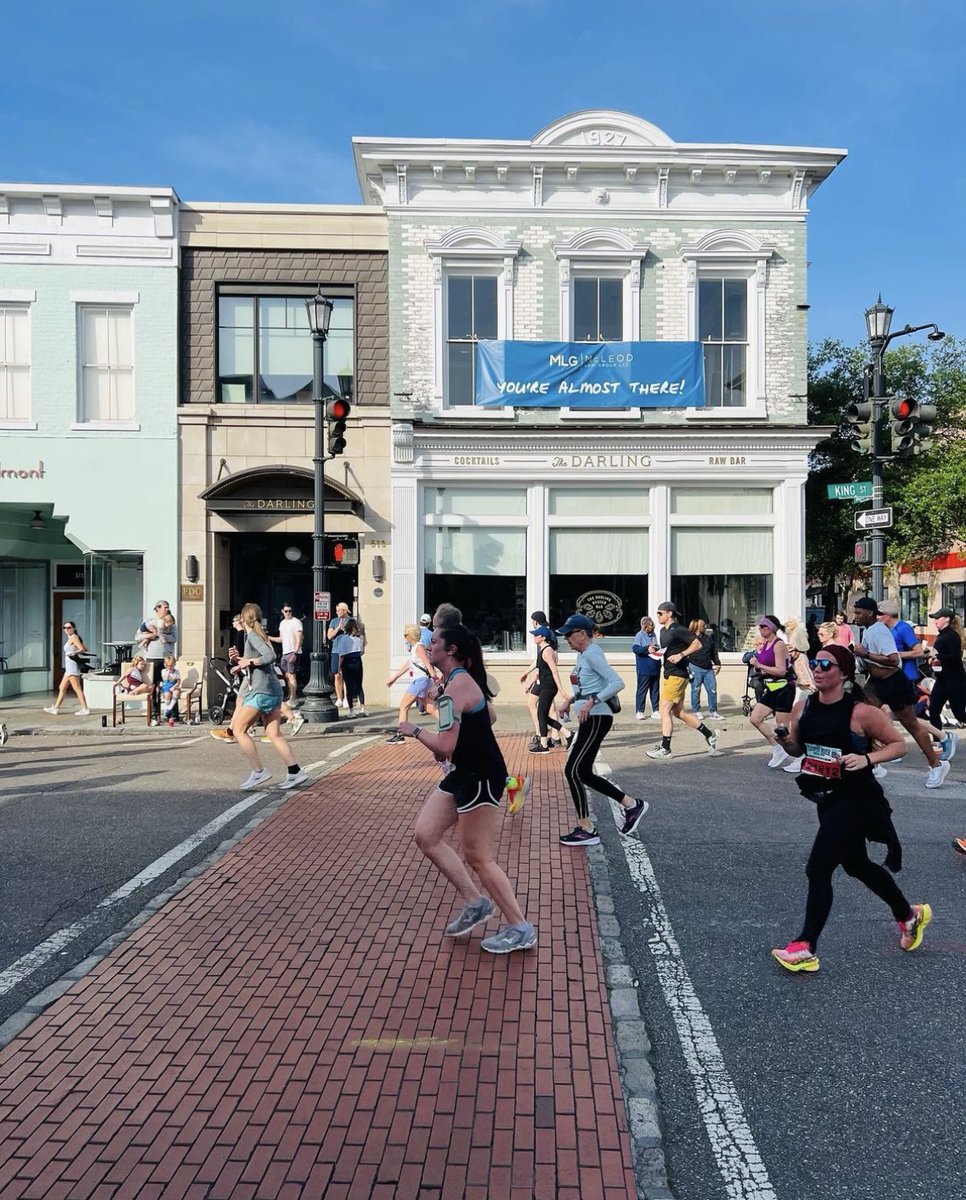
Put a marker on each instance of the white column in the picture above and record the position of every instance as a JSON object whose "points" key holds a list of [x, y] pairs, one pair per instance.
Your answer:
{"points": [[659, 569], [790, 547], [406, 545]]}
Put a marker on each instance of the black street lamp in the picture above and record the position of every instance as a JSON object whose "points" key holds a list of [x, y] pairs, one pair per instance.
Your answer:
{"points": [[878, 321], [318, 708]]}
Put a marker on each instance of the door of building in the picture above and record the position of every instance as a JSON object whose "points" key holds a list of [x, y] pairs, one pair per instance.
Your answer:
{"points": [[68, 606]]}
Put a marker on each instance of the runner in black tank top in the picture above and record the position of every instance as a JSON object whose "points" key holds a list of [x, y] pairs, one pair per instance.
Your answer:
{"points": [[469, 793], [840, 738]]}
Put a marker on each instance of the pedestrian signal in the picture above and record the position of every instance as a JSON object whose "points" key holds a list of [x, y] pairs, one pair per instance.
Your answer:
{"points": [[863, 552]]}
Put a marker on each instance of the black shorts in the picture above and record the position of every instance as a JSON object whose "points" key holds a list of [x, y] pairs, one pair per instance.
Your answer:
{"points": [[895, 690], [473, 791], [780, 700]]}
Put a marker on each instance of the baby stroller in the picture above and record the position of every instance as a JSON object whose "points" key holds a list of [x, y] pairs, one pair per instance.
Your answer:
{"points": [[221, 688]]}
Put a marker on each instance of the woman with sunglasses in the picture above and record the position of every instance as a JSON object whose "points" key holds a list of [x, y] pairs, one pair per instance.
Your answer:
{"points": [[73, 678], [776, 695], [841, 738]]}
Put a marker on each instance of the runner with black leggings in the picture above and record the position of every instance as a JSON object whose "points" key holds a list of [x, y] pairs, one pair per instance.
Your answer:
{"points": [[841, 738], [548, 688], [594, 682]]}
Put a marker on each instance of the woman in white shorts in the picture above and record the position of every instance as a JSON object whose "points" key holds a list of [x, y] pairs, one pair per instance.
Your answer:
{"points": [[421, 679]]}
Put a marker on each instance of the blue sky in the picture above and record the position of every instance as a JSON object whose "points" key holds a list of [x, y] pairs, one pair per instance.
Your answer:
{"points": [[254, 101]]}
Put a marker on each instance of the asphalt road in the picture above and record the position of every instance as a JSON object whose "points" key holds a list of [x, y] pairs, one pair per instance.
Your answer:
{"points": [[92, 829], [845, 1083]]}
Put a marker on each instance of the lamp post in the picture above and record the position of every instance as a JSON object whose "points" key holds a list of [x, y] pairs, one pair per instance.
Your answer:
{"points": [[318, 708], [878, 321]]}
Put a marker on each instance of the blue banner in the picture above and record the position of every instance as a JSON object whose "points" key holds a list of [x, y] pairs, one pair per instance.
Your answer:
{"points": [[590, 374]]}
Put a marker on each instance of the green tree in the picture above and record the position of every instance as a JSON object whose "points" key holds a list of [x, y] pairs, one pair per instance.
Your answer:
{"points": [[927, 492]]}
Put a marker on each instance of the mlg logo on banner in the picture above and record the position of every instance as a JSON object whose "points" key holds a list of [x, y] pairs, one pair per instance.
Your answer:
{"points": [[590, 374]]}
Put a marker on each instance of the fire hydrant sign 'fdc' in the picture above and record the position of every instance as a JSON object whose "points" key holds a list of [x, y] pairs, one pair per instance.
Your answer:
{"points": [[590, 374]]}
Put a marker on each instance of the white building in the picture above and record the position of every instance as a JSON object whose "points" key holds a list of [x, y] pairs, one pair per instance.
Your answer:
{"points": [[599, 229]]}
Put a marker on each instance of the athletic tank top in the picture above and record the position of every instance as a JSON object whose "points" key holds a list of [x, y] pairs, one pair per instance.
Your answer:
{"points": [[829, 727], [476, 750], [545, 679]]}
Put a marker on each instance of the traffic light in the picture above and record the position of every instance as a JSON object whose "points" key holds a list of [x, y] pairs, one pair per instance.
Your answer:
{"points": [[861, 416], [902, 425], [336, 414], [863, 552], [343, 551], [911, 426]]}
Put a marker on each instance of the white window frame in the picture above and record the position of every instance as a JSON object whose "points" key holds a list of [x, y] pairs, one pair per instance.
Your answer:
{"points": [[120, 303], [469, 251], [607, 253], [20, 299], [733, 254]]}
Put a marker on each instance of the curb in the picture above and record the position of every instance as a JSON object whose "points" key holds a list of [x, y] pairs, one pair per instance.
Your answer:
{"points": [[634, 1056]]}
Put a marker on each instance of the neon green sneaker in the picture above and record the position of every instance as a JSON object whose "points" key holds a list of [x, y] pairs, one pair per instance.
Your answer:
{"points": [[911, 931], [797, 956]]}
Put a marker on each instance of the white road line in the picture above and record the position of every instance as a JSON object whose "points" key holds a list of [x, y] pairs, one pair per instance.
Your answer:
{"points": [[34, 959], [731, 1139], [352, 745]]}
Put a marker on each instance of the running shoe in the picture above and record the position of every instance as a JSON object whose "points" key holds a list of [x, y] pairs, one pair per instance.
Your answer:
{"points": [[660, 752], [879, 771], [959, 845], [508, 938], [937, 774], [797, 956], [655, 716], [911, 931], [579, 836], [539, 748], [294, 781], [534, 741], [4, 735], [54, 712], [83, 712], [950, 745], [715, 717], [517, 789], [713, 750], [778, 758], [255, 780], [297, 722], [793, 766], [698, 714], [633, 815], [222, 735], [475, 913], [641, 716], [395, 739], [363, 712]]}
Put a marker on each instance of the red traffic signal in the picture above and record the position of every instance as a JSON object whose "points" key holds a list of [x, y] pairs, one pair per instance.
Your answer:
{"points": [[902, 409], [338, 410], [336, 414]]}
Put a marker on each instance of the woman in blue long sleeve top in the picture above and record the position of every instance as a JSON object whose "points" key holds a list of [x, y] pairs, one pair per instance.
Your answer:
{"points": [[594, 682], [648, 670]]}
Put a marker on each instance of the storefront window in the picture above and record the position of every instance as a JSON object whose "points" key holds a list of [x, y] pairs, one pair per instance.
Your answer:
{"points": [[601, 572], [24, 609], [721, 502], [954, 597], [914, 604], [266, 338], [482, 570], [724, 576]]}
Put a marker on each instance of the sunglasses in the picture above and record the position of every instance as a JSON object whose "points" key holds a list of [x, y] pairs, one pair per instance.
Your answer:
{"points": [[822, 664], [286, 610]]}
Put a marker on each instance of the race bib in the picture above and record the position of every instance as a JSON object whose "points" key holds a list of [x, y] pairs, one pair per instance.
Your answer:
{"points": [[822, 761]]}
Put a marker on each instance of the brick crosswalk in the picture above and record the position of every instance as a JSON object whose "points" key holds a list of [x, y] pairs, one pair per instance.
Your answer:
{"points": [[292, 1025]]}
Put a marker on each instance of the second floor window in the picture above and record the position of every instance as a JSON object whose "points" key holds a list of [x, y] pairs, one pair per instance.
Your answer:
{"points": [[107, 363], [723, 330], [14, 362], [598, 309], [471, 315], [265, 350]]}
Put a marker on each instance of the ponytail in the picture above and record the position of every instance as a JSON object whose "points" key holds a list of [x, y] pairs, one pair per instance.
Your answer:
{"points": [[468, 653]]}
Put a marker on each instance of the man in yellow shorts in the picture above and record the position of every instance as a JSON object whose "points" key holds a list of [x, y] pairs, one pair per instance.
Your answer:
{"points": [[677, 642]]}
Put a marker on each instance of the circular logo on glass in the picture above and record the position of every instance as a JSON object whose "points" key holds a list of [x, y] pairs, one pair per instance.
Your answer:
{"points": [[603, 608]]}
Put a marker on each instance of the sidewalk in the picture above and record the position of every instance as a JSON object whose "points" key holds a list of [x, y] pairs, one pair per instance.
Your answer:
{"points": [[293, 1025]]}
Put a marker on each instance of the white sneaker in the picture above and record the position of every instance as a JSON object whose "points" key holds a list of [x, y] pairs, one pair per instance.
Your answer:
{"points": [[255, 779], [363, 713], [83, 712], [879, 771], [715, 717], [54, 712], [698, 714], [640, 716], [655, 716], [297, 722], [778, 758], [793, 766], [293, 781], [938, 774]]}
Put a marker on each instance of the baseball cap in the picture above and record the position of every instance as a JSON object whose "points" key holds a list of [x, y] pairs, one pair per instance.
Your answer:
{"points": [[425, 619], [541, 631], [866, 602], [667, 606], [942, 612], [888, 608], [574, 622]]}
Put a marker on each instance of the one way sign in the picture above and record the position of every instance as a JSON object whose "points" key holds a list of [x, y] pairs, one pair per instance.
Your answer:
{"points": [[874, 518]]}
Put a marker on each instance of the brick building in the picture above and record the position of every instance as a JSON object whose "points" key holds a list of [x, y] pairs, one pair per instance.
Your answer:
{"points": [[247, 421]]}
